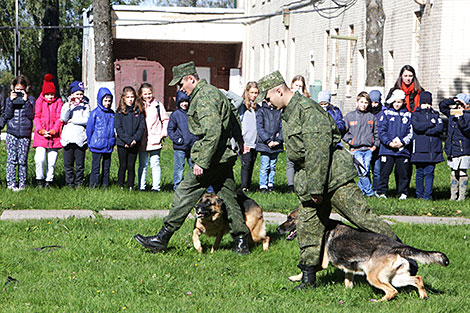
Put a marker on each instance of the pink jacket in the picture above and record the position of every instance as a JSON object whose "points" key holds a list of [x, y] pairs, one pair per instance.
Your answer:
{"points": [[47, 116], [156, 126]]}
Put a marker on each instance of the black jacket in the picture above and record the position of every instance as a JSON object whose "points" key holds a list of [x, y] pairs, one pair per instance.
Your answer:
{"points": [[129, 127], [19, 119], [458, 133], [269, 128]]}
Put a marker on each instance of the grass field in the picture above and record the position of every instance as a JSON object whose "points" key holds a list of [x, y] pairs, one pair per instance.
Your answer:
{"points": [[102, 269], [279, 201]]}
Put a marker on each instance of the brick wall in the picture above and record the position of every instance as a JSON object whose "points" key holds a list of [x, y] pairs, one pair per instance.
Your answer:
{"points": [[219, 57]]}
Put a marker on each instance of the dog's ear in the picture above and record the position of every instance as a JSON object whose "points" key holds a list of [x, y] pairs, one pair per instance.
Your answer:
{"points": [[219, 202]]}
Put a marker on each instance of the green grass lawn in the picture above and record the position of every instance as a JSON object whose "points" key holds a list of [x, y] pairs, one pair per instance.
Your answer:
{"points": [[279, 201], [102, 269]]}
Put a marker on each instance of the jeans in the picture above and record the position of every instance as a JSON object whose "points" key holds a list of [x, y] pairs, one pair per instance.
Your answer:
{"points": [[154, 165], [375, 164], [424, 180], [267, 169], [364, 157], [180, 156], [127, 158], [246, 172], [17, 156], [43, 154], [95, 169], [74, 155]]}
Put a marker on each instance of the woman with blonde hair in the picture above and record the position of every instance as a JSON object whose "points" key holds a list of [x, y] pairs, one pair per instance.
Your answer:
{"points": [[248, 119]]}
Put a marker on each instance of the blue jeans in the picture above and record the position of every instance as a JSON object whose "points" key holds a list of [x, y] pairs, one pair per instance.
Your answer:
{"points": [[267, 169], [364, 157], [180, 156], [154, 157], [424, 180]]}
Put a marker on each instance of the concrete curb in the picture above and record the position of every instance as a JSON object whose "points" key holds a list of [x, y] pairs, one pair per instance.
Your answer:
{"points": [[270, 217]]}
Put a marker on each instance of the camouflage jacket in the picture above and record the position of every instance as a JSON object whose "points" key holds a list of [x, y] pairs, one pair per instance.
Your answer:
{"points": [[311, 137], [214, 120]]}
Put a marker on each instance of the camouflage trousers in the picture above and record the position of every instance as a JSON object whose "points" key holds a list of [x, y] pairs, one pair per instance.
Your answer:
{"points": [[349, 202], [190, 190]]}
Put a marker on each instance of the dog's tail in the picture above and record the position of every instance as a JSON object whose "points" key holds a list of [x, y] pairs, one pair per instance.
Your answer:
{"points": [[423, 257]]}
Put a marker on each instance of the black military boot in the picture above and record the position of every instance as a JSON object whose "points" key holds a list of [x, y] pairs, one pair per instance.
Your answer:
{"points": [[308, 277], [241, 245], [156, 243]]}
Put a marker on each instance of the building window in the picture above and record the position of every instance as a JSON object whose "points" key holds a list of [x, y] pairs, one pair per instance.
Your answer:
{"points": [[252, 63], [261, 61], [276, 56], [415, 45], [361, 70], [349, 70], [292, 58], [326, 60], [283, 59], [266, 59]]}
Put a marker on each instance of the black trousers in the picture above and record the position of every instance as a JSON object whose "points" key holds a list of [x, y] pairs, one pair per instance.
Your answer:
{"points": [[74, 156], [95, 169], [402, 173], [127, 159], [248, 163]]}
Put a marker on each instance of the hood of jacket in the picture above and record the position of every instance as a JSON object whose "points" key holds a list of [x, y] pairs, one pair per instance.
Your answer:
{"points": [[181, 97], [103, 92]]}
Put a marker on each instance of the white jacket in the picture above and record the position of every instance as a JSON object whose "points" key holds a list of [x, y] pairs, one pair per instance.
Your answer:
{"points": [[74, 118]]}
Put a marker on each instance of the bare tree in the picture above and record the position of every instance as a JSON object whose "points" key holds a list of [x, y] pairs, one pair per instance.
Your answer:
{"points": [[375, 21], [102, 28]]}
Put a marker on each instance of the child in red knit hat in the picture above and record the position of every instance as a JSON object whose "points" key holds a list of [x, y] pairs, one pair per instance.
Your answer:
{"points": [[47, 128]]}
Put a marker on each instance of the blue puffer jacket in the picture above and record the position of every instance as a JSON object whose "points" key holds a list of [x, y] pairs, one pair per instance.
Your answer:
{"points": [[427, 129], [335, 112], [269, 128], [178, 129], [458, 132], [100, 126], [19, 120], [395, 123]]}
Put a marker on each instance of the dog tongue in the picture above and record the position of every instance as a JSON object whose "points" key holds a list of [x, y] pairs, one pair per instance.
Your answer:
{"points": [[292, 235]]}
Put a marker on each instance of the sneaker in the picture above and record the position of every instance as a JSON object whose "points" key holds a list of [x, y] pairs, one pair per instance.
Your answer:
{"points": [[402, 197], [381, 195], [263, 190], [12, 187], [290, 188]]}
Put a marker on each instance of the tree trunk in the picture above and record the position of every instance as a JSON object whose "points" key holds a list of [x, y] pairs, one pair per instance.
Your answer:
{"points": [[51, 40], [375, 21], [102, 27]]}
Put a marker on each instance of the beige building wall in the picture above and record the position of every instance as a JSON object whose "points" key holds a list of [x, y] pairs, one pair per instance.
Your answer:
{"points": [[430, 38]]}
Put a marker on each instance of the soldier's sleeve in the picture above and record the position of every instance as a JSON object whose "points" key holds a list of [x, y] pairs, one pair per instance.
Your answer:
{"points": [[211, 122], [317, 138]]}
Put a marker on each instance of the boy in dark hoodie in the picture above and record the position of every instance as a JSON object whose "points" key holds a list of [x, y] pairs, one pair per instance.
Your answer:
{"points": [[100, 137], [182, 138]]}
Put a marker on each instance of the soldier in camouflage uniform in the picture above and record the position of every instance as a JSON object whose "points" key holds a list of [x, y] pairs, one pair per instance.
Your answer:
{"points": [[324, 173], [214, 120]]}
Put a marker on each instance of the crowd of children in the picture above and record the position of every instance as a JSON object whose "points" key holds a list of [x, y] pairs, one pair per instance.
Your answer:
{"points": [[403, 132]]}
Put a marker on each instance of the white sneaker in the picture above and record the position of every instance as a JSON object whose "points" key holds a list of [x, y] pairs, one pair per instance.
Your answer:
{"points": [[12, 188], [402, 197], [381, 195]]}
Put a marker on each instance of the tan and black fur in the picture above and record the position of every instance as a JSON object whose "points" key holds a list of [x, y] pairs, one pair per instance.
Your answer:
{"points": [[211, 219], [385, 262]]}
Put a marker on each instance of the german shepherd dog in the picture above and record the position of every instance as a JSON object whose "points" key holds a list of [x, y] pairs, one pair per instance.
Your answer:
{"points": [[385, 262], [211, 219]]}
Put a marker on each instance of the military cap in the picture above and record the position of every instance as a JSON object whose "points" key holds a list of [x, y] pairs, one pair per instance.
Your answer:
{"points": [[268, 82], [180, 71]]}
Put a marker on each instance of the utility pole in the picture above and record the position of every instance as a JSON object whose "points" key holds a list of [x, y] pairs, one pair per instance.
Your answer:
{"points": [[17, 42]]}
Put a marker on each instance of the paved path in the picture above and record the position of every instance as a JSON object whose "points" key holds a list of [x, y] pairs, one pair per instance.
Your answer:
{"points": [[270, 217]]}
